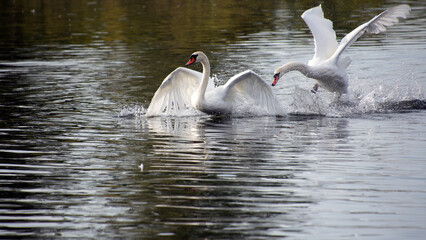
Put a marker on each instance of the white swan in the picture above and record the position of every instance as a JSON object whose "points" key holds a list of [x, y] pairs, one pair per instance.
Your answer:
{"points": [[184, 89], [327, 66]]}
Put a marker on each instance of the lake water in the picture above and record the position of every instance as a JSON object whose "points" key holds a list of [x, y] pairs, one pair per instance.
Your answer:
{"points": [[78, 159]]}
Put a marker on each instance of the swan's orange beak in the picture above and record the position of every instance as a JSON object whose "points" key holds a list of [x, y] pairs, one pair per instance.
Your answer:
{"points": [[191, 61], [276, 78]]}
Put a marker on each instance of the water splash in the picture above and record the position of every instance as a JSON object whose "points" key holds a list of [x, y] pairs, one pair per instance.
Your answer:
{"points": [[139, 111], [359, 100], [306, 103], [362, 98], [385, 98], [217, 81], [131, 111]]}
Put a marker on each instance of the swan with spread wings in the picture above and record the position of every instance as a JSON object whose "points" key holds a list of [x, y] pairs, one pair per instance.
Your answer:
{"points": [[185, 89], [328, 66]]}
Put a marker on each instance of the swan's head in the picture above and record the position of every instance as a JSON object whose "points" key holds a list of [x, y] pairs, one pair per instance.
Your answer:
{"points": [[196, 57], [288, 67], [277, 75]]}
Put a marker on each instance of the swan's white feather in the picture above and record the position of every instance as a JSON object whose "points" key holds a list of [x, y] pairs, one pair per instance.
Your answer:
{"points": [[174, 94], [324, 35], [245, 90], [376, 25], [252, 90], [327, 66], [183, 89]]}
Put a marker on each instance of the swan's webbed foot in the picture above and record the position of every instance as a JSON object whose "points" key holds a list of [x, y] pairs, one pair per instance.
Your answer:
{"points": [[315, 88]]}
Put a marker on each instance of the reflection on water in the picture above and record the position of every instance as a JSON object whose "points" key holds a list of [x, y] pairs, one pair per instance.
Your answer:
{"points": [[227, 174], [77, 76]]}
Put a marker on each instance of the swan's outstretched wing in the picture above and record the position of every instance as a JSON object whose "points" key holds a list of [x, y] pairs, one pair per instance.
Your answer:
{"points": [[174, 94], [376, 25], [324, 35], [252, 89]]}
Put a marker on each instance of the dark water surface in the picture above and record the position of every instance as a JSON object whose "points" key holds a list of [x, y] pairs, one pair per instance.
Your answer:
{"points": [[79, 159]]}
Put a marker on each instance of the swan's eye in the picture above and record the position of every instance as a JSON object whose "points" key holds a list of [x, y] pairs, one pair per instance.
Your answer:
{"points": [[276, 75], [193, 57]]}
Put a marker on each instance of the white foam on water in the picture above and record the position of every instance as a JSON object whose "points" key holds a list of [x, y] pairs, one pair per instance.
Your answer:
{"points": [[362, 98], [131, 111]]}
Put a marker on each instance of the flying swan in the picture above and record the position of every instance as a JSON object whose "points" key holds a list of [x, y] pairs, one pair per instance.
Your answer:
{"points": [[327, 66], [184, 89]]}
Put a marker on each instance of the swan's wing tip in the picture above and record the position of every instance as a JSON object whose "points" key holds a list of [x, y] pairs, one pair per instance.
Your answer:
{"points": [[250, 72], [313, 11], [387, 18], [404, 10], [399, 11], [403, 7], [245, 74], [247, 71], [323, 33]]}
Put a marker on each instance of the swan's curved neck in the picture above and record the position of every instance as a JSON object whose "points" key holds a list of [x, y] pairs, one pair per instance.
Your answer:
{"points": [[296, 66], [204, 80]]}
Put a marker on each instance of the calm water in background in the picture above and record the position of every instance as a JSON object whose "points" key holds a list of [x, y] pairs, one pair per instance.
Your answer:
{"points": [[78, 159]]}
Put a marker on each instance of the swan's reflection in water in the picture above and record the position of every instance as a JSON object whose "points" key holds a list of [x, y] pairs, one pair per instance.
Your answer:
{"points": [[231, 177], [220, 140]]}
